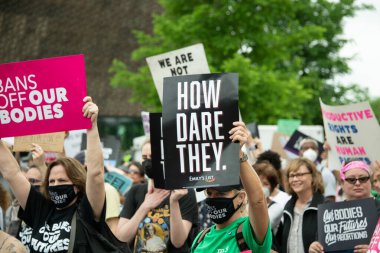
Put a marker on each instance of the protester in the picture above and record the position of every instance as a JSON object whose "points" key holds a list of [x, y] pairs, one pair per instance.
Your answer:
{"points": [[277, 194], [146, 206], [299, 227], [227, 210], [135, 171], [356, 184], [309, 149], [269, 181], [67, 187]]}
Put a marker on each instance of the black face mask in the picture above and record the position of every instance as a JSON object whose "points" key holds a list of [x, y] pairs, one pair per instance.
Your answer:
{"points": [[37, 188], [147, 165], [62, 195], [221, 209]]}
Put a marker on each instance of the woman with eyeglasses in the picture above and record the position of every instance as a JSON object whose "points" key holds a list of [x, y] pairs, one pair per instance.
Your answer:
{"points": [[299, 227], [356, 184]]}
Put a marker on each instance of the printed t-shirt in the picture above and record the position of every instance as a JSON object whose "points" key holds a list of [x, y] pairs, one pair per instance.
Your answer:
{"points": [[153, 234], [50, 228], [223, 240]]}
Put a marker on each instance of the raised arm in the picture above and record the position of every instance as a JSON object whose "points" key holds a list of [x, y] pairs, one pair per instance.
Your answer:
{"points": [[10, 170], [179, 228], [38, 155], [94, 161], [258, 210]]}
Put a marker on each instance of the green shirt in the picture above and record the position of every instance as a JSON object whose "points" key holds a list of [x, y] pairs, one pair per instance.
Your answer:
{"points": [[224, 241]]}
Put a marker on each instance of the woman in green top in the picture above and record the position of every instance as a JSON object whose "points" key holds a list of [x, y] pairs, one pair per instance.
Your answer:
{"points": [[226, 207]]}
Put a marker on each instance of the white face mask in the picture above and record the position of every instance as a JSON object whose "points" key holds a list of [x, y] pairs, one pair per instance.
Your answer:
{"points": [[266, 191], [310, 154]]}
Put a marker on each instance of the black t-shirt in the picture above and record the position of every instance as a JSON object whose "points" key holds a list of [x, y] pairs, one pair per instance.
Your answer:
{"points": [[153, 231], [50, 228]]}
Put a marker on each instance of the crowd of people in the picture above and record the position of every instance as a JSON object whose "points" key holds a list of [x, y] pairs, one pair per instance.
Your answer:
{"points": [[272, 209]]}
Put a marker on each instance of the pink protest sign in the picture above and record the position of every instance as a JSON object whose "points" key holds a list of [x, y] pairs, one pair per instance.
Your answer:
{"points": [[42, 96], [374, 245]]}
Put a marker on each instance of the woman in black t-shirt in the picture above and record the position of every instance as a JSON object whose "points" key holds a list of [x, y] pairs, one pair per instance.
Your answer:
{"points": [[67, 187]]}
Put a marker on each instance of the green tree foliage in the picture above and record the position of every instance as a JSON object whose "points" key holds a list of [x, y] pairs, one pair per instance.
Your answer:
{"points": [[375, 104], [285, 51]]}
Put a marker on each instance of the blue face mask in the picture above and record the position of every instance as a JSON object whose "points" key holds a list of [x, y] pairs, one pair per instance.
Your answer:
{"points": [[62, 195], [221, 209]]}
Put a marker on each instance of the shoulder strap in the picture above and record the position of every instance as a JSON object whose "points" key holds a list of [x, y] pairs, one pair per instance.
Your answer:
{"points": [[72, 232], [200, 238], [240, 238]]}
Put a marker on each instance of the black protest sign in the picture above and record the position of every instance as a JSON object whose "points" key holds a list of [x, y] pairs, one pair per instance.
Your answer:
{"points": [[198, 111], [342, 225], [156, 143], [294, 143]]}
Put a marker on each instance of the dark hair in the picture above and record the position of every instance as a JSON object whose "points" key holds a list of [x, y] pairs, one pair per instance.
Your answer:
{"points": [[271, 157], [138, 165], [74, 170], [266, 170], [146, 230]]}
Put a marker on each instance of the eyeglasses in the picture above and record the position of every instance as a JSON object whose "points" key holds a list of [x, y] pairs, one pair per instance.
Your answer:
{"points": [[34, 181], [353, 180], [298, 175]]}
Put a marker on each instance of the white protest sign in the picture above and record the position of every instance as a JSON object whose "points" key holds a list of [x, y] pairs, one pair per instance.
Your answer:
{"points": [[184, 61], [352, 132]]}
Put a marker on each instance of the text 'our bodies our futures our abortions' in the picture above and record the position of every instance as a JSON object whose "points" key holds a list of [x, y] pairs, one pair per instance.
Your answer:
{"points": [[42, 104], [342, 225], [199, 132]]}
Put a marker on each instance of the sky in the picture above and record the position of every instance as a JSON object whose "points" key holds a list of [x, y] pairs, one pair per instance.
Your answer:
{"points": [[364, 30]]}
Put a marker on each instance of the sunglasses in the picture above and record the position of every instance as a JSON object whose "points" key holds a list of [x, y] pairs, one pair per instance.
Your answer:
{"points": [[353, 180], [133, 172]]}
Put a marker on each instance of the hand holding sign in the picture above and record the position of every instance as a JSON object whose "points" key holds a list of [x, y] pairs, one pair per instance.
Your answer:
{"points": [[8, 165], [175, 195], [239, 133], [38, 154], [155, 198], [90, 110], [316, 247]]}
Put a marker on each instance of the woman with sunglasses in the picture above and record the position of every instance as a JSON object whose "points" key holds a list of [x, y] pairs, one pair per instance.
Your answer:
{"points": [[356, 185], [298, 228]]}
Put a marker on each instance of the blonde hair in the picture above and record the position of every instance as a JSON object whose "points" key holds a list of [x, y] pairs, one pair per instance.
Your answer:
{"points": [[316, 182]]}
